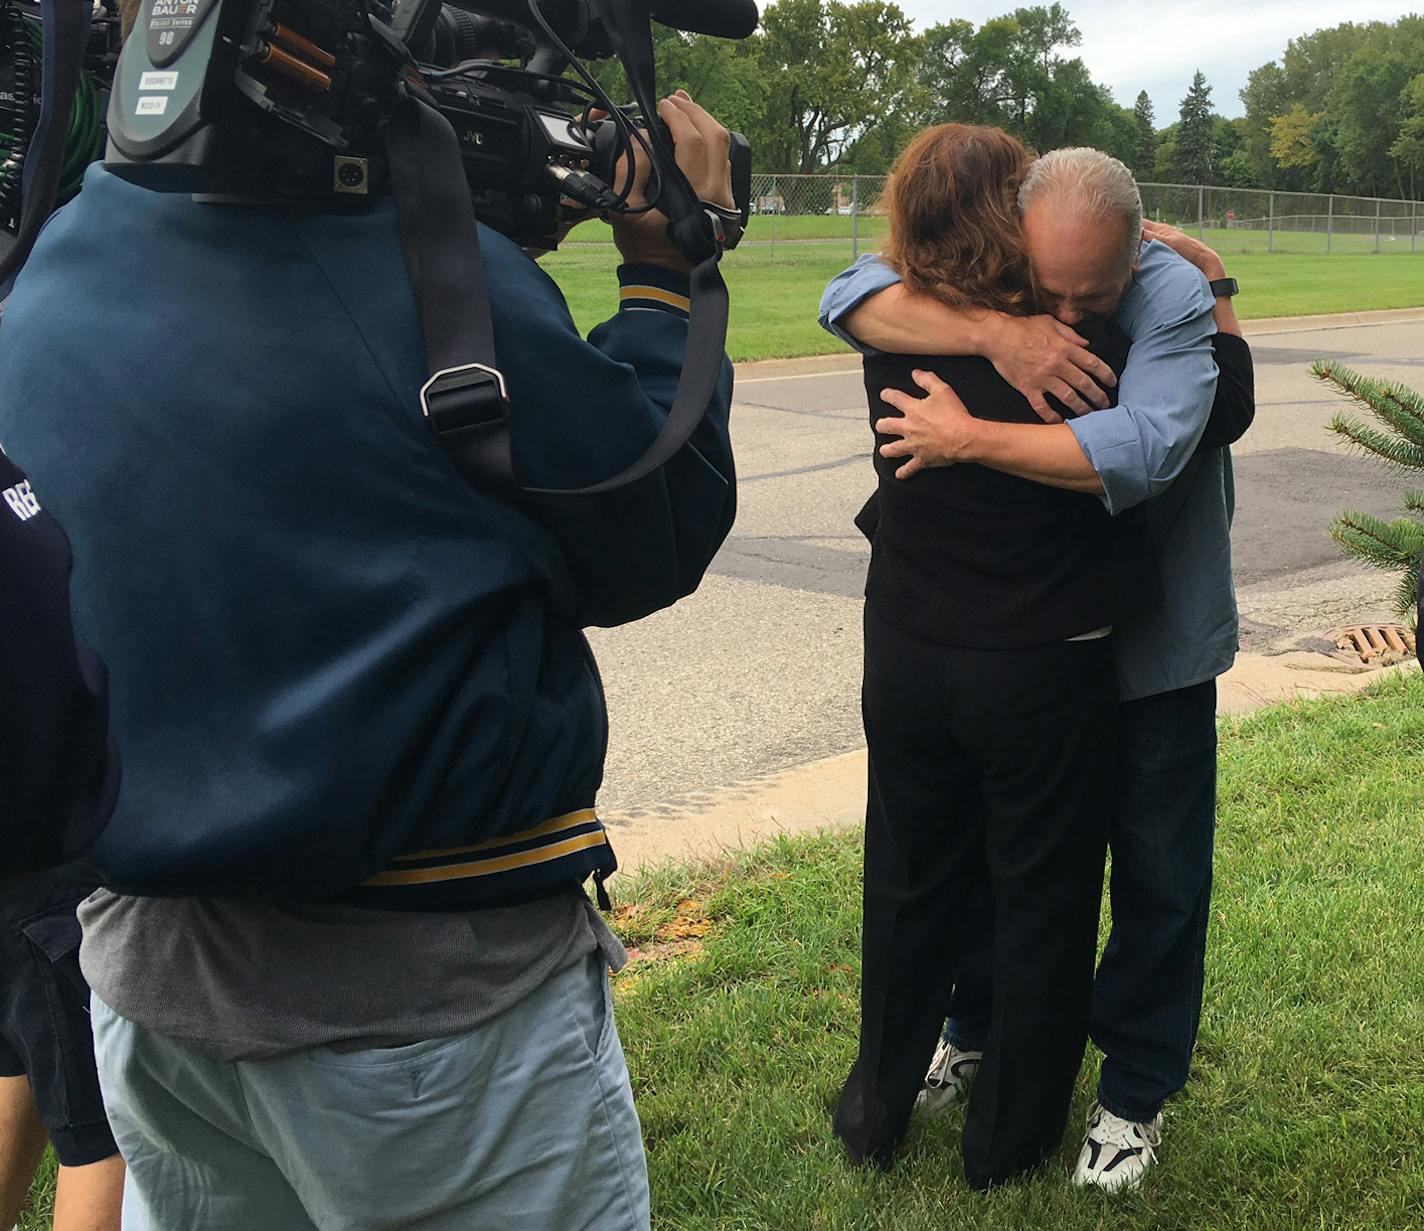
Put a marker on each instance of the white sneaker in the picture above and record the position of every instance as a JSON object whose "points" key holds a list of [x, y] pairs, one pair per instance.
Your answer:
{"points": [[951, 1074], [1116, 1152]]}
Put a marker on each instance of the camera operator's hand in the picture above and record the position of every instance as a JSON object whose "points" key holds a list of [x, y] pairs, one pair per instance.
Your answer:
{"points": [[701, 146]]}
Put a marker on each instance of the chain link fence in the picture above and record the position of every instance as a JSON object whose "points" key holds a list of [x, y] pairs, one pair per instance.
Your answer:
{"points": [[841, 214]]}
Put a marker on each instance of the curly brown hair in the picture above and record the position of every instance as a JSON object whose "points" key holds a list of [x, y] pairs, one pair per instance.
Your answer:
{"points": [[952, 199]]}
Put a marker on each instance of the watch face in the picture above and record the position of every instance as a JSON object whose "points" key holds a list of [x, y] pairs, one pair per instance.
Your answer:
{"points": [[1224, 287]]}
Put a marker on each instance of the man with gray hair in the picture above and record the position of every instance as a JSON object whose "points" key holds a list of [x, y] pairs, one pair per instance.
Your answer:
{"points": [[1082, 223]]}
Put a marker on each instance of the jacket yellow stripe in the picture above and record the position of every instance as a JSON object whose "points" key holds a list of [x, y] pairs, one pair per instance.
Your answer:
{"points": [[488, 867], [656, 293], [568, 821]]}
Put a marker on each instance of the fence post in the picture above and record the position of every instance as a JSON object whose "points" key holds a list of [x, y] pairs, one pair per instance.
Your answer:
{"points": [[1201, 205], [1330, 223], [855, 217], [1271, 224], [776, 204], [1413, 226]]}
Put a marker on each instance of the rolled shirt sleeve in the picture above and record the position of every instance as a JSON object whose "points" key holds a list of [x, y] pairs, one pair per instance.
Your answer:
{"points": [[848, 290], [1165, 395]]}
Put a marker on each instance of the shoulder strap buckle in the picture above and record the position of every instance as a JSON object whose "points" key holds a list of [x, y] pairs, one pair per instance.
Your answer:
{"points": [[467, 398]]}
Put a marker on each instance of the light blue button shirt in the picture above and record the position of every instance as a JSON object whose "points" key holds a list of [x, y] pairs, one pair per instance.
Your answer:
{"points": [[1142, 450]]}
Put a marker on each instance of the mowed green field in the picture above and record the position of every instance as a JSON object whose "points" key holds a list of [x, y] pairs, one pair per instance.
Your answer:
{"points": [[776, 290]]}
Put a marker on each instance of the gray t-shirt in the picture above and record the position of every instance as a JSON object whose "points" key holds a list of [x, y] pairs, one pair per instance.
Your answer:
{"points": [[242, 981]]}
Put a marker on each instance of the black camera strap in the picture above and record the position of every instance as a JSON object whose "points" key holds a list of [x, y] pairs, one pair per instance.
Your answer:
{"points": [[465, 398], [65, 29]]}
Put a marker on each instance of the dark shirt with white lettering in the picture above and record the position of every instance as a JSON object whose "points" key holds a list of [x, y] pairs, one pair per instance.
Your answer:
{"points": [[58, 773]]}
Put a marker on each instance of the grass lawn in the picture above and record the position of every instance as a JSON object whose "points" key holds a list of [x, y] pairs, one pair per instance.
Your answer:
{"points": [[1306, 1109], [775, 293]]}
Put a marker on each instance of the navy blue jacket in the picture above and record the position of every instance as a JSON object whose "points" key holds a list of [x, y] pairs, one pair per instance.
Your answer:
{"points": [[58, 771], [335, 665]]}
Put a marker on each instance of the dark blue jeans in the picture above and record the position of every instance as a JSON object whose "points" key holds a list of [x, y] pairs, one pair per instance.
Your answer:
{"points": [[1148, 991]]}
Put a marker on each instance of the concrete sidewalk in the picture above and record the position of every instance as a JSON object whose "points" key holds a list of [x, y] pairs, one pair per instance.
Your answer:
{"points": [[830, 794]]}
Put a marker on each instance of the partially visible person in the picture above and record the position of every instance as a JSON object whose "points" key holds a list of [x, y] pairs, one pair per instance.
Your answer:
{"points": [[59, 777], [990, 700], [1147, 451], [49, 1085], [345, 972]]}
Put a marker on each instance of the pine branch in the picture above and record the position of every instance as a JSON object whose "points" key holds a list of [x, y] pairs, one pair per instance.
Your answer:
{"points": [[1414, 502], [1395, 405], [1406, 597], [1401, 454], [1388, 546], [1400, 408]]}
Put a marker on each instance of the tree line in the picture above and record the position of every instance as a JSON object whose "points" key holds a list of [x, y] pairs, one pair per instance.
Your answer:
{"points": [[840, 85]]}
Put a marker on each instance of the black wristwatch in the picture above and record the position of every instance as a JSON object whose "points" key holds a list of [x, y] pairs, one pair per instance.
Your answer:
{"points": [[1224, 288]]}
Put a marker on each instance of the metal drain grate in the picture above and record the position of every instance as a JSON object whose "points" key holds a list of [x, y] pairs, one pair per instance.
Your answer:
{"points": [[1378, 645]]}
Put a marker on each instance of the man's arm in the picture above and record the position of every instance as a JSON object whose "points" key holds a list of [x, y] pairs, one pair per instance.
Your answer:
{"points": [[1127, 454], [938, 430], [1234, 410], [1165, 396], [868, 307], [58, 772], [584, 410]]}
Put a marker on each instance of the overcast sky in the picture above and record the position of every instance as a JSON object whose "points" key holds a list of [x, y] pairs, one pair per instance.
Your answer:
{"points": [[1132, 45]]}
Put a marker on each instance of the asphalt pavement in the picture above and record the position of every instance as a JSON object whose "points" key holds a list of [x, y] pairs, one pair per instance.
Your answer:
{"points": [[759, 670]]}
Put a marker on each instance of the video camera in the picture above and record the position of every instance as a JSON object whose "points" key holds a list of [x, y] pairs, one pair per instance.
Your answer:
{"points": [[461, 112], [201, 81]]}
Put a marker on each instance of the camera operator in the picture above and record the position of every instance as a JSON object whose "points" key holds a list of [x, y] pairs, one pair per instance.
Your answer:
{"points": [[308, 613], [58, 779]]}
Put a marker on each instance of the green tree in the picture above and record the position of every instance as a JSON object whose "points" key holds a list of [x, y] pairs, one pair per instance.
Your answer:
{"points": [[1013, 71], [1265, 97], [1115, 132], [1398, 442], [1196, 141], [959, 73], [832, 69], [1365, 105], [1293, 138], [1164, 166], [1351, 78], [1408, 147], [1144, 150]]}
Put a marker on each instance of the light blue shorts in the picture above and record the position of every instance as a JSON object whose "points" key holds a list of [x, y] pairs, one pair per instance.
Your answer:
{"points": [[526, 1124]]}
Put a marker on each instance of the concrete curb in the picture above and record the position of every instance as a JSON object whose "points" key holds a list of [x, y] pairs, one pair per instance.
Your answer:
{"points": [[838, 363], [830, 793]]}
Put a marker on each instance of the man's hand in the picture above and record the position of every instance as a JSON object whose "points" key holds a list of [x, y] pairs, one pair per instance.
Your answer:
{"points": [[1197, 253], [1039, 355], [934, 430], [700, 144]]}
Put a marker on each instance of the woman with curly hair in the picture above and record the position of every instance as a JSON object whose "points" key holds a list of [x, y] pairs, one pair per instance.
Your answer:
{"points": [[990, 701]]}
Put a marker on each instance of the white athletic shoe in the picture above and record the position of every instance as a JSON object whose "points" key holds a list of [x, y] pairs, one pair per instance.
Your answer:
{"points": [[1116, 1152], [951, 1073]]}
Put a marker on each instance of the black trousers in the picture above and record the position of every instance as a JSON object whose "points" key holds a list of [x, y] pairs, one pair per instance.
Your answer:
{"points": [[986, 767]]}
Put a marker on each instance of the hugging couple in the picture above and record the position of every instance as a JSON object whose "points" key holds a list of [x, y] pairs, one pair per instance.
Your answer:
{"points": [[1054, 386]]}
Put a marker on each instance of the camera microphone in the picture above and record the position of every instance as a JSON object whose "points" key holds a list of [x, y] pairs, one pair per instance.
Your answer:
{"points": [[720, 18]]}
